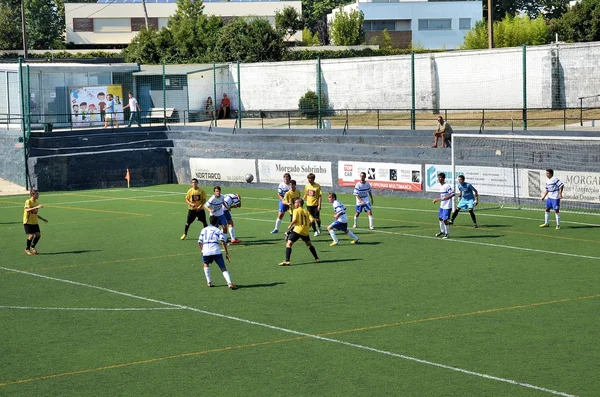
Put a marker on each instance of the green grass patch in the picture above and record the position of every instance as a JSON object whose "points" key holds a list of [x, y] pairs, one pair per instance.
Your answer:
{"points": [[116, 304]]}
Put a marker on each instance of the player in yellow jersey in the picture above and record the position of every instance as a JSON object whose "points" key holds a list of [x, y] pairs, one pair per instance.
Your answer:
{"points": [[195, 199], [314, 198], [298, 229], [30, 221], [290, 196]]}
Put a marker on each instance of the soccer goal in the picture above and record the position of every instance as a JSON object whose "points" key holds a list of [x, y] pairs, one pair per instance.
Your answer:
{"points": [[509, 171]]}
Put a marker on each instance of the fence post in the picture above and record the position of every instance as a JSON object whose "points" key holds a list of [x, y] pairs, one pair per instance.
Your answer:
{"points": [[524, 87], [164, 90], [23, 127], [215, 94], [413, 123], [239, 118], [319, 120]]}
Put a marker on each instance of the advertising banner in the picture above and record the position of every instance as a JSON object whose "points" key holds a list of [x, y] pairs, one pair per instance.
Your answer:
{"points": [[381, 175], [271, 171], [579, 186], [490, 181], [88, 104], [229, 170]]}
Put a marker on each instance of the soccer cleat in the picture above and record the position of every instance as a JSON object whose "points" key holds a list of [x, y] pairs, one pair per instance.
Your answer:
{"points": [[355, 241], [316, 233], [317, 260], [371, 227], [446, 235], [334, 244], [440, 234], [28, 252], [232, 286], [544, 225], [451, 222], [236, 241], [209, 284], [354, 226], [475, 226], [274, 231], [34, 251], [183, 236], [285, 263], [557, 228]]}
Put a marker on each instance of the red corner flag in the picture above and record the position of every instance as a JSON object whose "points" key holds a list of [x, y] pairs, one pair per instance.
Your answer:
{"points": [[128, 177]]}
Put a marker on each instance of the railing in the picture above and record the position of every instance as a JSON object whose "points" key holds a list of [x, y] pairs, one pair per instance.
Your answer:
{"points": [[346, 119]]}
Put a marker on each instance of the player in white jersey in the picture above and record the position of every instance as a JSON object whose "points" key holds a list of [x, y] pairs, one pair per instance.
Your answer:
{"points": [[554, 191], [209, 242], [445, 199], [214, 205], [364, 200], [341, 221], [231, 201], [282, 189]]}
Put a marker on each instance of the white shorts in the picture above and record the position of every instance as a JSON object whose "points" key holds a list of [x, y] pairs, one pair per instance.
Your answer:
{"points": [[109, 116]]}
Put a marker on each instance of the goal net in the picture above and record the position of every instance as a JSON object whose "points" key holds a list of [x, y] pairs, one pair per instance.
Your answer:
{"points": [[509, 171]]}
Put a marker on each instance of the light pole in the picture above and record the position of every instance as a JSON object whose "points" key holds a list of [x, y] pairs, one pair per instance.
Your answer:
{"points": [[23, 29], [490, 24]]}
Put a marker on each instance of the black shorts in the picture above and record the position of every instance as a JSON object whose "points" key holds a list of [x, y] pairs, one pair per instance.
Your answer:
{"points": [[313, 211], [293, 237], [31, 229], [193, 215]]}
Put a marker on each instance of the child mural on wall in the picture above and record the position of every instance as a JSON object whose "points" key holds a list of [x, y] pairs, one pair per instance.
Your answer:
{"points": [[101, 104]]}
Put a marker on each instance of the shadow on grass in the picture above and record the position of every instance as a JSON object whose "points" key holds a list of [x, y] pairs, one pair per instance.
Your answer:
{"points": [[324, 261], [263, 242], [240, 286], [479, 236], [581, 227], [9, 223], [67, 252], [492, 226]]}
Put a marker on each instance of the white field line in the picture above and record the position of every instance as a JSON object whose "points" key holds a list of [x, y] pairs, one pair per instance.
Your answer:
{"points": [[465, 242], [293, 332], [91, 309]]}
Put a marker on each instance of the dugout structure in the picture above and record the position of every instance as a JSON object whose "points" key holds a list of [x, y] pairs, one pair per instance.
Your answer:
{"points": [[510, 170]]}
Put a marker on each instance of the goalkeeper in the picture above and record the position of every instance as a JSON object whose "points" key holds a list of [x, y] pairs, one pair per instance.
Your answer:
{"points": [[468, 200]]}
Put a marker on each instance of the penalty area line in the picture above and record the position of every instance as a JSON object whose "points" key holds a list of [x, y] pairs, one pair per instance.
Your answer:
{"points": [[299, 333], [92, 309]]}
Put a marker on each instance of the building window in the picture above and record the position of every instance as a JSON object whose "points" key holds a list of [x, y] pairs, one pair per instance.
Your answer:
{"points": [[83, 24], [464, 23], [138, 23], [435, 24], [379, 26]]}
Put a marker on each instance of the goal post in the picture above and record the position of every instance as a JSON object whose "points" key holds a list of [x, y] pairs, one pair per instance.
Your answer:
{"points": [[509, 171]]}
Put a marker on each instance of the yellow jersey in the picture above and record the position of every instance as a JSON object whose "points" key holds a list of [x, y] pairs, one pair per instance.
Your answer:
{"points": [[196, 196], [301, 219], [312, 194], [30, 217], [289, 198]]}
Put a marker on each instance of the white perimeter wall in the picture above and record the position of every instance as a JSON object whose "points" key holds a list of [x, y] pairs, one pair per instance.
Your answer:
{"points": [[451, 80]]}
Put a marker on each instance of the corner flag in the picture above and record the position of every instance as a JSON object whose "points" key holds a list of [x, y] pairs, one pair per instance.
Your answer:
{"points": [[128, 177]]}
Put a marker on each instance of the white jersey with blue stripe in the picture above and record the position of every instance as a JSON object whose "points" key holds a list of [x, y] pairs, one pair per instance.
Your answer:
{"points": [[362, 190], [467, 191], [340, 209], [553, 186], [210, 237], [216, 204], [445, 191], [230, 200], [283, 188]]}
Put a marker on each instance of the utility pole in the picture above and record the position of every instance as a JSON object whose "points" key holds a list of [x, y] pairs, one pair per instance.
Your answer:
{"points": [[145, 13], [490, 24], [23, 28]]}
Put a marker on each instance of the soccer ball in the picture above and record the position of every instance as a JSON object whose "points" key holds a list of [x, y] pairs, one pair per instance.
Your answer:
{"points": [[249, 178]]}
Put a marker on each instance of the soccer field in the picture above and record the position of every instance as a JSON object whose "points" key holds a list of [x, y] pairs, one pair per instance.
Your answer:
{"points": [[116, 304]]}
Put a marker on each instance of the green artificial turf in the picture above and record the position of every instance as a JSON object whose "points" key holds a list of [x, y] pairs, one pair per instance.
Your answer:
{"points": [[507, 309]]}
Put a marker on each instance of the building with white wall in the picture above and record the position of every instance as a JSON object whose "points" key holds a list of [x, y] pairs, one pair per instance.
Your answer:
{"points": [[422, 23], [117, 23]]}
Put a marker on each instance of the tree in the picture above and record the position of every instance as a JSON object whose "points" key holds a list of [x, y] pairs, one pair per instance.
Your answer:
{"points": [[145, 47], [509, 32], [250, 40], [45, 26], [384, 40], [10, 26], [348, 28], [533, 8], [308, 39], [314, 14], [289, 21], [581, 23]]}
